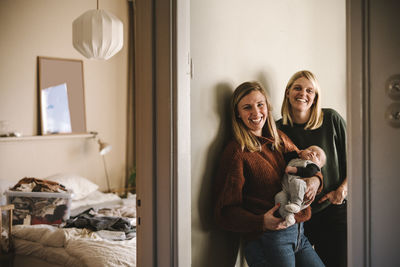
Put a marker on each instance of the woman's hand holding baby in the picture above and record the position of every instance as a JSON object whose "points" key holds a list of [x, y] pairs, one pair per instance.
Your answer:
{"points": [[271, 222], [313, 184]]}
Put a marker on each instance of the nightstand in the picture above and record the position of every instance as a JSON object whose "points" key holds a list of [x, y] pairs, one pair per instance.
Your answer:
{"points": [[6, 258]]}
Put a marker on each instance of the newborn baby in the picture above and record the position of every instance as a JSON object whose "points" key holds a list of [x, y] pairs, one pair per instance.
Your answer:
{"points": [[303, 165]]}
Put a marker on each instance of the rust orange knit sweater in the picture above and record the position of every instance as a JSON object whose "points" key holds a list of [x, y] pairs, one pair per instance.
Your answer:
{"points": [[246, 184]]}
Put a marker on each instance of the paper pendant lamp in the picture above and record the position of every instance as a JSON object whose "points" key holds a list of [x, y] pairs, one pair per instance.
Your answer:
{"points": [[97, 34]]}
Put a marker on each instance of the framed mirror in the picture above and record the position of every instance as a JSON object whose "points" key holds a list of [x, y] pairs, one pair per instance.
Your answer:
{"points": [[61, 96]]}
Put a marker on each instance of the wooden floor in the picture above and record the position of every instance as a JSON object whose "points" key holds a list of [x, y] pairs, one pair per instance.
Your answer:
{"points": [[6, 260]]}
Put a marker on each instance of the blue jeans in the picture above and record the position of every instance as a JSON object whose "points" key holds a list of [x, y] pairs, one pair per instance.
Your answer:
{"points": [[284, 248]]}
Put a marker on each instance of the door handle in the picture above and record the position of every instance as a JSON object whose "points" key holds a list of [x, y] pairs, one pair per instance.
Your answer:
{"points": [[392, 115], [393, 87]]}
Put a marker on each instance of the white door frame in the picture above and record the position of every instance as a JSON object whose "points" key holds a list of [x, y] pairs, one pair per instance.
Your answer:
{"points": [[162, 115], [163, 132], [358, 118]]}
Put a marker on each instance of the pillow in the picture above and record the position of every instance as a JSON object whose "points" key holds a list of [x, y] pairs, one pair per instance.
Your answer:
{"points": [[4, 186], [80, 186]]}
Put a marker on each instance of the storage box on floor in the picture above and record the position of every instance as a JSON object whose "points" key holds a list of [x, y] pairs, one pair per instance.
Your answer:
{"points": [[39, 207]]}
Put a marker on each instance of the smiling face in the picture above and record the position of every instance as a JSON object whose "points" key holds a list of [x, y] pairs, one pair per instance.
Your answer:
{"points": [[315, 154], [301, 95], [253, 111]]}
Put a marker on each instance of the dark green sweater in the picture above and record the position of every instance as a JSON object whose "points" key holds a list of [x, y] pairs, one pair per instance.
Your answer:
{"points": [[331, 137]]}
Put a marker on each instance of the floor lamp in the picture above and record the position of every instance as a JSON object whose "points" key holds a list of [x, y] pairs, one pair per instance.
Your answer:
{"points": [[104, 148]]}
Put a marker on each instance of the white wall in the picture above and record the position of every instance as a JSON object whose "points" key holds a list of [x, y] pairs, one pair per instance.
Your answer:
{"points": [[233, 41], [44, 28]]}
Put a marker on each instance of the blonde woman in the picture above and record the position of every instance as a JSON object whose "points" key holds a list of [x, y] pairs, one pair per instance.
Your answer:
{"points": [[307, 124], [249, 177]]}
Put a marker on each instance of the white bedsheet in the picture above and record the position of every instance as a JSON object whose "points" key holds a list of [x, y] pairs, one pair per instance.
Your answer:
{"points": [[93, 200], [72, 246]]}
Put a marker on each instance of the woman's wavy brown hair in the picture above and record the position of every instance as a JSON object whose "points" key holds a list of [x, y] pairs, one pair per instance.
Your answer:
{"points": [[241, 133]]}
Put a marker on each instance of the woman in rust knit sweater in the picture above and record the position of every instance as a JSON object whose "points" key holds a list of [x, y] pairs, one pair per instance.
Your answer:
{"points": [[249, 177]]}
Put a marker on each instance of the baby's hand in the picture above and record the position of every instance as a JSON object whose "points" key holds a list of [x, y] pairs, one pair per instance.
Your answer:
{"points": [[290, 169]]}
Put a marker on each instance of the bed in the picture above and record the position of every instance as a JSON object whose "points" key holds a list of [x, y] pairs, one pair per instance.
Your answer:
{"points": [[48, 245]]}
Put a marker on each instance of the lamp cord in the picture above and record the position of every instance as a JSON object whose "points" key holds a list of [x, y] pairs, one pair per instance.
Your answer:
{"points": [[97, 4]]}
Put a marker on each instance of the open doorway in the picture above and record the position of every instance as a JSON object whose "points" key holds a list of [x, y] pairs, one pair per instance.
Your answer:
{"points": [[358, 111], [266, 41]]}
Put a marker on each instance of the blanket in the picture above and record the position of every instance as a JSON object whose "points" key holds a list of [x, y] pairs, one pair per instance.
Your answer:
{"points": [[72, 246]]}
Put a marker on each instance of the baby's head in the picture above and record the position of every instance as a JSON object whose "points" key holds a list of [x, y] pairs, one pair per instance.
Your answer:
{"points": [[315, 154]]}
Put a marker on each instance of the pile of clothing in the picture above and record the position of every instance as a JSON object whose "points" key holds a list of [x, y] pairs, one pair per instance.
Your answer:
{"points": [[30, 184], [31, 209], [95, 220]]}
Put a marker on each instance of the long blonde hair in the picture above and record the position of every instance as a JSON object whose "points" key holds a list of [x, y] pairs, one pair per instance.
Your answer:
{"points": [[316, 115], [241, 133]]}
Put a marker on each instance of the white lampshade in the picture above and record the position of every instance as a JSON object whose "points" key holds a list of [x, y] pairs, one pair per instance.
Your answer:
{"points": [[97, 34], [104, 148]]}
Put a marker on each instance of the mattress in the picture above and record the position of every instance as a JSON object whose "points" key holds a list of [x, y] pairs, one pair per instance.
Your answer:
{"points": [[47, 245]]}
